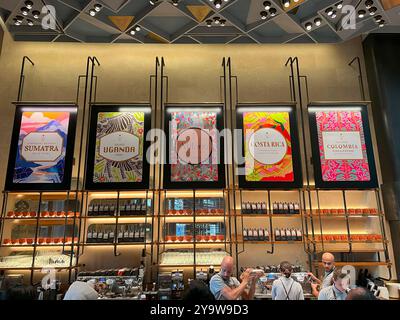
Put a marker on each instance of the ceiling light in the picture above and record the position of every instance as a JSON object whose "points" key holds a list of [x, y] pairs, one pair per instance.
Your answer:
{"points": [[361, 13], [17, 22], [308, 26], [272, 12], [216, 20], [329, 11], [30, 22], [175, 2], [132, 32], [24, 11], [334, 14], [209, 22], [286, 3], [223, 22], [369, 4], [217, 3], [98, 7], [264, 15], [19, 19], [29, 4], [92, 12], [317, 21], [381, 23], [267, 5], [138, 28], [339, 5], [153, 2], [36, 14], [372, 10], [378, 18]]}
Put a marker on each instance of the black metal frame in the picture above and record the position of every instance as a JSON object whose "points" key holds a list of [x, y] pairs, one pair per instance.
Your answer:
{"points": [[95, 110], [68, 158], [167, 183], [294, 137], [319, 182]]}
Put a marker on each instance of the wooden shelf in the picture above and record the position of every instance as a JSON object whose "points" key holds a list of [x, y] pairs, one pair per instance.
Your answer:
{"points": [[38, 245], [38, 268], [113, 244], [195, 243], [369, 250], [270, 215], [341, 216], [357, 264]]}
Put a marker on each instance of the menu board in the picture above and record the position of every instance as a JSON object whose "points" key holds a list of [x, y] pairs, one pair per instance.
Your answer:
{"points": [[342, 147], [42, 148], [195, 152], [116, 158], [269, 147]]}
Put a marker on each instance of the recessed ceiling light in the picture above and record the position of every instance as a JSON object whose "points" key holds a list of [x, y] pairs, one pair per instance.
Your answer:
{"points": [[153, 2], [339, 5], [24, 11], [175, 2], [334, 14], [272, 12], [19, 18], [286, 3], [329, 11], [17, 22], [361, 13], [218, 4], [132, 32], [308, 26], [217, 20], [223, 22], [29, 4], [138, 28], [209, 23], [369, 4], [264, 15], [98, 7], [36, 14], [267, 5], [317, 21], [372, 10], [378, 18], [30, 22], [381, 23]]}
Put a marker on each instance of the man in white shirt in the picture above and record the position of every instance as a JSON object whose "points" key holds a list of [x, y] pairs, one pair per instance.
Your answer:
{"points": [[338, 290], [80, 290], [225, 287], [328, 261], [285, 287]]}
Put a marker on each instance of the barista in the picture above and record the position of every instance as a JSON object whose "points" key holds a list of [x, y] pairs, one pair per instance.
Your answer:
{"points": [[328, 262]]}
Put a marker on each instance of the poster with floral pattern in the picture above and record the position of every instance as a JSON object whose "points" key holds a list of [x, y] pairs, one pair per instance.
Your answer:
{"points": [[342, 146], [203, 127], [268, 146], [119, 147]]}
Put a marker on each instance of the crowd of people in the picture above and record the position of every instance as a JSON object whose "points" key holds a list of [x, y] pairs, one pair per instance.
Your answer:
{"points": [[333, 286]]}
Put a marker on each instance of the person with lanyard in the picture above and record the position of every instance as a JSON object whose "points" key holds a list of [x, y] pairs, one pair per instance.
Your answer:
{"points": [[285, 287], [225, 287], [328, 261], [338, 290]]}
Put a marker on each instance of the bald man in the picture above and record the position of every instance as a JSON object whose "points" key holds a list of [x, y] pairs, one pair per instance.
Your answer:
{"points": [[328, 262], [225, 287]]}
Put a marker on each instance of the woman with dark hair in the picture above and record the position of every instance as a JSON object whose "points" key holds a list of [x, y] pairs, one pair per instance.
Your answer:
{"points": [[198, 291]]}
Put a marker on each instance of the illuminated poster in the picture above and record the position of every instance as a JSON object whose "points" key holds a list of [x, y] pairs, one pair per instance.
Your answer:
{"points": [[270, 146], [118, 141], [344, 148], [41, 142], [194, 148]]}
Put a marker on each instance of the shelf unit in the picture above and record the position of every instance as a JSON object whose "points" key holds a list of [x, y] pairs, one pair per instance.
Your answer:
{"points": [[194, 242], [30, 232], [256, 253], [362, 236]]}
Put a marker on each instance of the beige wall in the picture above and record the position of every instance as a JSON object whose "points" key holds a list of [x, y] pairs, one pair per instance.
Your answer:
{"points": [[193, 72]]}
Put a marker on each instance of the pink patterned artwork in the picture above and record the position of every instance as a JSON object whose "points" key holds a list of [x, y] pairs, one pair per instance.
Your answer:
{"points": [[342, 146]]}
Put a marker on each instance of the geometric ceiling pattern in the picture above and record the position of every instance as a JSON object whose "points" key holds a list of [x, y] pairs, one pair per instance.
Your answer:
{"points": [[197, 21]]}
